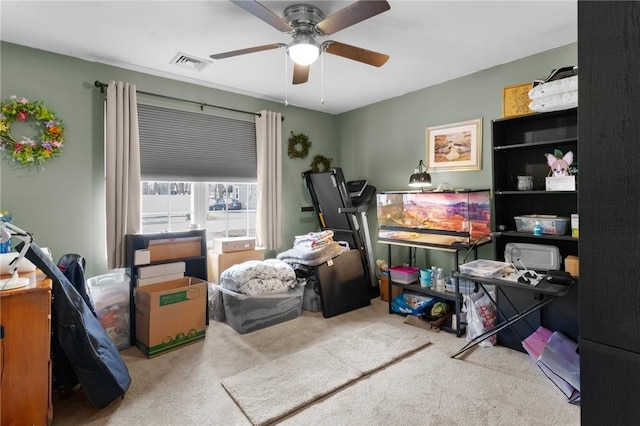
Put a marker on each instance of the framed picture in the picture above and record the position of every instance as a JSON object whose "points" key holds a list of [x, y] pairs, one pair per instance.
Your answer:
{"points": [[515, 100], [455, 147]]}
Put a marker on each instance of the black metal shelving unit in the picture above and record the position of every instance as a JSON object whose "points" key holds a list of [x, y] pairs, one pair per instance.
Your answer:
{"points": [[196, 266], [519, 148], [455, 296]]}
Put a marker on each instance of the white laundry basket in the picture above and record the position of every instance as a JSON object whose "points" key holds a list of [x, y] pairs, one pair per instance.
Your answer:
{"points": [[109, 294]]}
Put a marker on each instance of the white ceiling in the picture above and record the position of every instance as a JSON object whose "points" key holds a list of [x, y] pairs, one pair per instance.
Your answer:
{"points": [[428, 41]]}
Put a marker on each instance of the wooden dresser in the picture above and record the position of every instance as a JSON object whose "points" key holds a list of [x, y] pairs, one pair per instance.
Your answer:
{"points": [[25, 355]]}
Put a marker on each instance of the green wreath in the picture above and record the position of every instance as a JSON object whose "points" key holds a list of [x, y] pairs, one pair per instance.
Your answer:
{"points": [[299, 145], [26, 152], [321, 160]]}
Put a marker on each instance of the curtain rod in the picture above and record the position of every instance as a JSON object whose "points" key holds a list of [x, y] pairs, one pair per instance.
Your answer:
{"points": [[102, 86]]}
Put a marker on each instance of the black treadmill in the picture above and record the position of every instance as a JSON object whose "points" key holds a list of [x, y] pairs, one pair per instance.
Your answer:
{"points": [[342, 208]]}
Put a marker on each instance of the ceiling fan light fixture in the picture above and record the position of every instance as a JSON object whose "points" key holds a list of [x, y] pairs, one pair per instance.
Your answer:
{"points": [[303, 50]]}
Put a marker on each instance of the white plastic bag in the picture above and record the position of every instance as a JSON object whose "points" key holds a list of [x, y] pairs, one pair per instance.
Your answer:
{"points": [[481, 317]]}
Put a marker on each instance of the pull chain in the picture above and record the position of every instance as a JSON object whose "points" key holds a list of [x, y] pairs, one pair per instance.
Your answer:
{"points": [[322, 79], [286, 73]]}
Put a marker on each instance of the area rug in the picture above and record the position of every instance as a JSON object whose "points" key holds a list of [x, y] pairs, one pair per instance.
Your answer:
{"points": [[269, 392]]}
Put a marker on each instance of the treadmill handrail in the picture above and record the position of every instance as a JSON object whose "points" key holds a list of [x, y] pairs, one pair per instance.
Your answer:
{"points": [[347, 210]]}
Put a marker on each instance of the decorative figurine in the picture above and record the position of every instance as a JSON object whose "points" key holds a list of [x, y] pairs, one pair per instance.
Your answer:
{"points": [[559, 164]]}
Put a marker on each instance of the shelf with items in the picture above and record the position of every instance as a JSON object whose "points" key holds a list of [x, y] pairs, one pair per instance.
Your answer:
{"points": [[519, 148], [454, 222], [458, 326], [454, 297], [189, 247], [510, 206], [517, 234]]}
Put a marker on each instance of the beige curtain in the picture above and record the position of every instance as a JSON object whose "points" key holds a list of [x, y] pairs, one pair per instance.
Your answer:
{"points": [[122, 169], [269, 153]]}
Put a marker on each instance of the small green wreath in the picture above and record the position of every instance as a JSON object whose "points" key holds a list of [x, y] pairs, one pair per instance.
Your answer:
{"points": [[299, 145], [26, 152], [321, 160]]}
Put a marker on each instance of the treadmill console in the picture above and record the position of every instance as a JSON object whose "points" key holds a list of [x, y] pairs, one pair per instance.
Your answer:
{"points": [[356, 188]]}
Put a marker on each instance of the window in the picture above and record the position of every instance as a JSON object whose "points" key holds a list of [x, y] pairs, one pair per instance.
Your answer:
{"points": [[198, 171], [223, 209]]}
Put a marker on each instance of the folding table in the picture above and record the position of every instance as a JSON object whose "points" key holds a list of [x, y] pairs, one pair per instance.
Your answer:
{"points": [[547, 290]]}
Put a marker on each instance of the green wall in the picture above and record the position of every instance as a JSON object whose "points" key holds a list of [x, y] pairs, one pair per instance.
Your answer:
{"points": [[63, 206], [384, 142]]}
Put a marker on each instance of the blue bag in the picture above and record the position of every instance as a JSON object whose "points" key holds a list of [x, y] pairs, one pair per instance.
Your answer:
{"points": [[412, 304]]}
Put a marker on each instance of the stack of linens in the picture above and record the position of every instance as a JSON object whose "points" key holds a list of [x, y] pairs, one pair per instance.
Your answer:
{"points": [[554, 94], [312, 249]]}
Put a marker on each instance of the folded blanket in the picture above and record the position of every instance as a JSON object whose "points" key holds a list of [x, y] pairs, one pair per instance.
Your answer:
{"points": [[314, 236], [313, 240], [556, 102], [295, 256], [312, 245], [310, 254], [255, 277], [563, 85]]}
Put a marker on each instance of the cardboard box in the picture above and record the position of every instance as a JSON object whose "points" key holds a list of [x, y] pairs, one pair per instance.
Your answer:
{"points": [[561, 183], [160, 279], [141, 257], [175, 248], [384, 289], [170, 315], [572, 265], [218, 262], [575, 225], [231, 244], [161, 269]]}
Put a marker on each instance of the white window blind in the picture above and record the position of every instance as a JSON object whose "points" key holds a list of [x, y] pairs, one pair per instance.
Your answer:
{"points": [[195, 147]]}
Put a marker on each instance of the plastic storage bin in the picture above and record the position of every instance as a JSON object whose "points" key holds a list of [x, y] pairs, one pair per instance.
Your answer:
{"points": [[404, 274], [483, 267], [464, 286], [109, 294], [551, 225], [249, 313]]}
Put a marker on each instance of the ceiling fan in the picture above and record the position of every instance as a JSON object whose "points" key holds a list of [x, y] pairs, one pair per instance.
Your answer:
{"points": [[304, 23]]}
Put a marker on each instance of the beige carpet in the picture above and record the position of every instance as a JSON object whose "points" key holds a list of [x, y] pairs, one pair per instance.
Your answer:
{"points": [[269, 392], [485, 386]]}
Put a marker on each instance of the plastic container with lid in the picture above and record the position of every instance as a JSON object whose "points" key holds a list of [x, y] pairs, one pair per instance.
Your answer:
{"points": [[404, 274], [551, 224], [109, 294]]}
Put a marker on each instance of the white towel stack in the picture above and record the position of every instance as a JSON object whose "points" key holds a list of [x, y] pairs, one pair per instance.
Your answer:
{"points": [[555, 95], [313, 240]]}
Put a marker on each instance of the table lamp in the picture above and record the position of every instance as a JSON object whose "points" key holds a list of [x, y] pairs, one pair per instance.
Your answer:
{"points": [[420, 178], [7, 230]]}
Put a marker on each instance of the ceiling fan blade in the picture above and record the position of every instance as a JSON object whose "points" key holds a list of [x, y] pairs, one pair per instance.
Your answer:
{"points": [[352, 14], [257, 9], [248, 50], [355, 53], [300, 73]]}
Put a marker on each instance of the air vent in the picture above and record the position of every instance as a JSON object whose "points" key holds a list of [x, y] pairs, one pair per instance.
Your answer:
{"points": [[188, 61]]}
